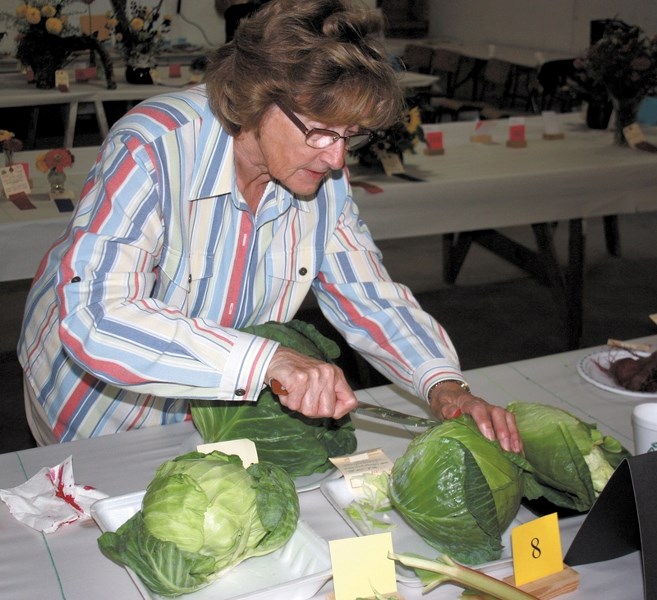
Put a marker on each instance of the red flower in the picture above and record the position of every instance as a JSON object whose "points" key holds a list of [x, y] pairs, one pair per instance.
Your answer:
{"points": [[58, 159]]}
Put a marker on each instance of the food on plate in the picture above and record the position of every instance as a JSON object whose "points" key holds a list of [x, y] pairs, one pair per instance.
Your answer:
{"points": [[203, 514], [571, 460], [299, 444], [459, 490], [636, 373]]}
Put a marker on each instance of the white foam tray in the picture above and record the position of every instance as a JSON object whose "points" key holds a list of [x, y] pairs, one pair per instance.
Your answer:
{"points": [[296, 571]]}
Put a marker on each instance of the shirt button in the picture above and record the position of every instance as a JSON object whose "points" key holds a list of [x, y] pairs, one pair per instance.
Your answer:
{"points": [[240, 392], [76, 279], [303, 271]]}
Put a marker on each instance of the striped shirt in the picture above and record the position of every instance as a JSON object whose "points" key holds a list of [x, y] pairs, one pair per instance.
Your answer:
{"points": [[136, 308]]}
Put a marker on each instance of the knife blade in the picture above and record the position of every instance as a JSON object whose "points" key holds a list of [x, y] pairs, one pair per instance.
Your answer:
{"points": [[394, 416], [373, 410]]}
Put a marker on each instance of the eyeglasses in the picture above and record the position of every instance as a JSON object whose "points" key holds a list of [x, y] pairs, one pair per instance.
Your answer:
{"points": [[323, 138]]}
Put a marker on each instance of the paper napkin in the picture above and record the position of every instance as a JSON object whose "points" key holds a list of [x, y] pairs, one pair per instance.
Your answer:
{"points": [[51, 498]]}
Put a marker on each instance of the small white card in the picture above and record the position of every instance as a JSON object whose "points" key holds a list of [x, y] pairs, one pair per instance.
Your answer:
{"points": [[14, 180], [392, 164], [551, 122], [245, 449], [354, 466]]}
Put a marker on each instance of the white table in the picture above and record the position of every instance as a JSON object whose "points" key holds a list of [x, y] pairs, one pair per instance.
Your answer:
{"points": [[70, 566], [16, 92]]}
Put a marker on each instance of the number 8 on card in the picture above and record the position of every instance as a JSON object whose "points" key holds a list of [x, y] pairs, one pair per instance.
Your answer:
{"points": [[536, 549]]}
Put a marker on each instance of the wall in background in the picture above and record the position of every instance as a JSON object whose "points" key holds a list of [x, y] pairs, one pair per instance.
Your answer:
{"points": [[549, 24], [198, 22]]}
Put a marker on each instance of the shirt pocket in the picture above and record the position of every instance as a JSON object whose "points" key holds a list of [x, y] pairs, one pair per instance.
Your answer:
{"points": [[179, 275]]}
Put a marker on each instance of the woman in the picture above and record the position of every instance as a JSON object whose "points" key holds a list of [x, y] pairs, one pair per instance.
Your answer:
{"points": [[219, 207]]}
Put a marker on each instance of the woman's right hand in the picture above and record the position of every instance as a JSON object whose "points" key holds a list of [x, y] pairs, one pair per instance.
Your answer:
{"points": [[312, 387]]}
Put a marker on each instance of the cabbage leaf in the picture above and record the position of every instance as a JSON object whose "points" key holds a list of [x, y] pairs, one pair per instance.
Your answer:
{"points": [[299, 444]]}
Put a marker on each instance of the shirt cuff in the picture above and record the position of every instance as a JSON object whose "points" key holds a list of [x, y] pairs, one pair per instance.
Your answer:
{"points": [[245, 369]]}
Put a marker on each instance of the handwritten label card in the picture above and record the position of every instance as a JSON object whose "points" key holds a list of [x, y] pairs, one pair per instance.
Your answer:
{"points": [[551, 126], [14, 180], [62, 81], [361, 567], [516, 133], [245, 449], [433, 136], [354, 466], [536, 549], [483, 133]]}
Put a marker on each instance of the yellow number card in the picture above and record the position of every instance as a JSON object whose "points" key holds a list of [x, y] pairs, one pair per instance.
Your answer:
{"points": [[361, 567], [536, 549]]}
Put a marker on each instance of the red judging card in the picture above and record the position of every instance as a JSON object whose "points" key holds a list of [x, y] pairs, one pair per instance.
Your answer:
{"points": [[21, 201]]}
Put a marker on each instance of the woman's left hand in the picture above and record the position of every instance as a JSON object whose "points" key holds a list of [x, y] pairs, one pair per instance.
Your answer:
{"points": [[448, 400]]}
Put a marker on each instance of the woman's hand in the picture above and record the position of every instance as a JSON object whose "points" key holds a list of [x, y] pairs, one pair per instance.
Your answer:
{"points": [[312, 387], [448, 400]]}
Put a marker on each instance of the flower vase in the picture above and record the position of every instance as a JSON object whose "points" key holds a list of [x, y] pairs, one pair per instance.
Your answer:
{"points": [[139, 73], [626, 110], [598, 111], [57, 180]]}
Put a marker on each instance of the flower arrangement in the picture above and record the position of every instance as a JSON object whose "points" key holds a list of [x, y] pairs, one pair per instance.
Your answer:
{"points": [[55, 160], [620, 67], [43, 16], [401, 137], [624, 61], [140, 32], [46, 40], [10, 144]]}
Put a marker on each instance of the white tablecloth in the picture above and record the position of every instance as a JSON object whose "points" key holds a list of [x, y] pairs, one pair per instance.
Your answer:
{"points": [[68, 565]]}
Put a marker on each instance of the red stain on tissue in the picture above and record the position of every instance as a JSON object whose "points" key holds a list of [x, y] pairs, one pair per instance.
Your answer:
{"points": [[62, 481]]}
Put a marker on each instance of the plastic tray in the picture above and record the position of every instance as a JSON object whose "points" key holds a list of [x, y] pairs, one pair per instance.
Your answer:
{"points": [[296, 571]]}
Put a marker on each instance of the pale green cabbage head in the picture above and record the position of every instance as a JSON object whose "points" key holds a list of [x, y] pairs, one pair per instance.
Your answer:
{"points": [[571, 460], [202, 514]]}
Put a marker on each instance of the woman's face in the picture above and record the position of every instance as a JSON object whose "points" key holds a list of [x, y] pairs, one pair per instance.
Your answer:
{"points": [[289, 160]]}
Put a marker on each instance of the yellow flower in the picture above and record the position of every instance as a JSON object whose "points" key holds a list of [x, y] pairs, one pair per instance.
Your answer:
{"points": [[112, 23], [54, 25], [48, 11], [21, 10], [414, 120], [137, 24], [5, 135], [33, 15], [41, 163]]}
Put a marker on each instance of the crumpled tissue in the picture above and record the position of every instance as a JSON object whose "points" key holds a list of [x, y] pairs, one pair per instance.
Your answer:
{"points": [[51, 498]]}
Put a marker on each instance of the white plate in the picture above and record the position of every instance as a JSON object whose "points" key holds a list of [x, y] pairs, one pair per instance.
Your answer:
{"points": [[404, 538], [591, 369], [303, 483], [296, 571]]}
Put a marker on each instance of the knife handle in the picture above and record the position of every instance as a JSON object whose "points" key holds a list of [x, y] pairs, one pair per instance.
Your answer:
{"points": [[277, 387]]}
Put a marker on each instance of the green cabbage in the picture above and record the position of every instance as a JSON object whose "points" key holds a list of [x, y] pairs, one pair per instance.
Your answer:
{"points": [[571, 460], [299, 444], [202, 514], [458, 490]]}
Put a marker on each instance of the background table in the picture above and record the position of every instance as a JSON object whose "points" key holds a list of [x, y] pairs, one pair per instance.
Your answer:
{"points": [[471, 188], [68, 565]]}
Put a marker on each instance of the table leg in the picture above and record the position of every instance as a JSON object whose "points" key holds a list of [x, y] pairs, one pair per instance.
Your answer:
{"points": [[612, 237], [71, 118], [101, 118], [565, 284], [575, 282]]}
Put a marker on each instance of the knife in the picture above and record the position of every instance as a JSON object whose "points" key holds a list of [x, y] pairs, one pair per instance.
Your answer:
{"points": [[373, 410]]}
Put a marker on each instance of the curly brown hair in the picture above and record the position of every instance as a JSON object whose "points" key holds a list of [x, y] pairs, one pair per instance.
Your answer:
{"points": [[320, 58]]}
